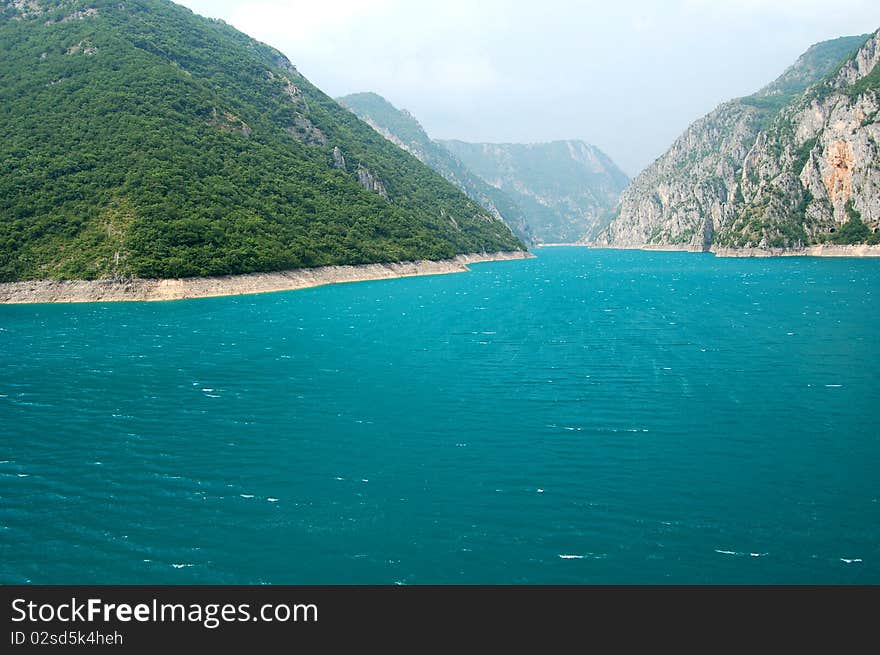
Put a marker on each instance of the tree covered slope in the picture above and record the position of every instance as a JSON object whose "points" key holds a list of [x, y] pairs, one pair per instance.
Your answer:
{"points": [[142, 140]]}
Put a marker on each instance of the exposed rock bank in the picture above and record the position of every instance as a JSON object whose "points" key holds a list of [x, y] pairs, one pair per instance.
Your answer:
{"points": [[46, 291], [821, 250]]}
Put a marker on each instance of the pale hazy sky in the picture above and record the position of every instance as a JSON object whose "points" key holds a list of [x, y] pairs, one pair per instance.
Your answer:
{"points": [[628, 76]]}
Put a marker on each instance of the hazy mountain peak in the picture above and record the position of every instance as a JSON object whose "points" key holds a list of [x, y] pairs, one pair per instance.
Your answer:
{"points": [[401, 128], [566, 187]]}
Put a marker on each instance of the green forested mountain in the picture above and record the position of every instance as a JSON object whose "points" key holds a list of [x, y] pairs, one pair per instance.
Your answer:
{"points": [[402, 128], [140, 139], [813, 65]]}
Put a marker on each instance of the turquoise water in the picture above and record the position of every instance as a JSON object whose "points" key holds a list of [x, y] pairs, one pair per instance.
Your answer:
{"points": [[583, 417]]}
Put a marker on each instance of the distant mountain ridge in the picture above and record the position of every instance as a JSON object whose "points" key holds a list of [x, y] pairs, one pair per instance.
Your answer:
{"points": [[403, 129], [565, 188], [794, 165], [140, 139]]}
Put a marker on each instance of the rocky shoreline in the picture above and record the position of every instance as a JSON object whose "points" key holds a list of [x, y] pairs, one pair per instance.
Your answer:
{"points": [[821, 250], [77, 291], [666, 247]]}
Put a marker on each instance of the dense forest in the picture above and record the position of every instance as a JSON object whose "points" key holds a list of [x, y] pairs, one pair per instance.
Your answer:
{"points": [[142, 140]]}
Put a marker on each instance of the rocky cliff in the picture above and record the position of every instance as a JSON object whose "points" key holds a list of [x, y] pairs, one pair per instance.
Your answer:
{"points": [[565, 188], [795, 164], [401, 128]]}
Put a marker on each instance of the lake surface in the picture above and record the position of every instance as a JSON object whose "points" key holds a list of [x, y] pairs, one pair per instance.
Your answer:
{"points": [[588, 416]]}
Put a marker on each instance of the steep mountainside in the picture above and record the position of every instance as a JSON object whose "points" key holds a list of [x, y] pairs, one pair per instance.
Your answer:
{"points": [[785, 168], [814, 175], [565, 188], [142, 140], [401, 128]]}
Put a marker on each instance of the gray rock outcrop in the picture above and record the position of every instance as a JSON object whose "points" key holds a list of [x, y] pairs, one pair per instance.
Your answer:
{"points": [[785, 168]]}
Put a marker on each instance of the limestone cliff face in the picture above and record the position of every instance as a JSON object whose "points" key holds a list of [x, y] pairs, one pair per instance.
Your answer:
{"points": [[367, 180], [684, 196], [814, 175], [786, 167]]}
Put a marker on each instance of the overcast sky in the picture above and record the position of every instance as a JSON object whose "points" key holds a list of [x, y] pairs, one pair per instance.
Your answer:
{"points": [[628, 76]]}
